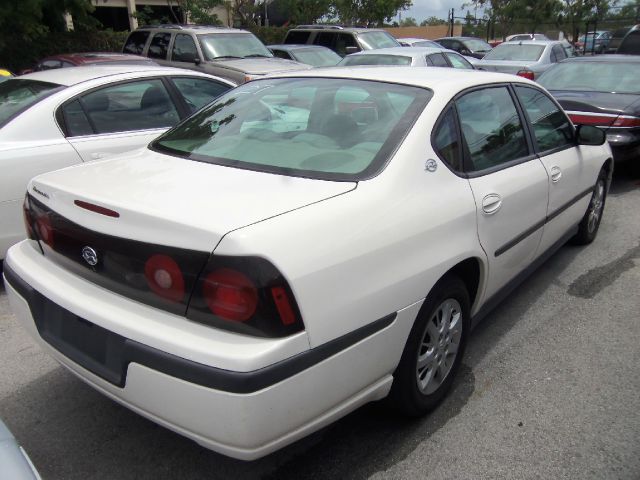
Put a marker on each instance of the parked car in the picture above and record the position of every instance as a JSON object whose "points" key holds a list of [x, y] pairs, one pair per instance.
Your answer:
{"points": [[596, 42], [342, 40], [236, 55], [16, 464], [602, 91], [630, 44], [57, 118], [467, 46], [418, 42], [408, 56], [313, 55], [89, 58], [304, 245], [526, 58], [518, 37], [5, 74], [618, 36]]}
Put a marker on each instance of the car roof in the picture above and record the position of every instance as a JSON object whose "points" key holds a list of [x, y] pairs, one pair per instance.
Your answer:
{"points": [[458, 38], [403, 51], [435, 78], [336, 28], [76, 75], [532, 42], [95, 57], [199, 29]]}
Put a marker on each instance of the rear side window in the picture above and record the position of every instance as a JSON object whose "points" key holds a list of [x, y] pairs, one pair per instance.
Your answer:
{"points": [[131, 106], [198, 92], [551, 126], [159, 46], [437, 60], [75, 120], [559, 52], [184, 49], [446, 142], [491, 128], [296, 36], [135, 43], [457, 61], [325, 39]]}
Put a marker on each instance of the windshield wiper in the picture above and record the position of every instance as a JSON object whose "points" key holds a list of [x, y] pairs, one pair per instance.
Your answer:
{"points": [[225, 56], [255, 55]]}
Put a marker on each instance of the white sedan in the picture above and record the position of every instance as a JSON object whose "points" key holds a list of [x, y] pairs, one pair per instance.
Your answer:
{"points": [[57, 118], [256, 274], [414, 56]]}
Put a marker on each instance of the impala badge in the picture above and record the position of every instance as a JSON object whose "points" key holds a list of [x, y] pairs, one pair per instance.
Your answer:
{"points": [[90, 256]]}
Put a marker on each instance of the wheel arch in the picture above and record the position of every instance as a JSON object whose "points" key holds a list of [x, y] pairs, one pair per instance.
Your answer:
{"points": [[471, 272]]}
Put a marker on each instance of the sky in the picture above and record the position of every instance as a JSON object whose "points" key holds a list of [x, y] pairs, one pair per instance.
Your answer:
{"points": [[422, 9]]}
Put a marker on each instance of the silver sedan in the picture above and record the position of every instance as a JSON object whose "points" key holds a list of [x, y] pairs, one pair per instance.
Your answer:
{"points": [[408, 56]]}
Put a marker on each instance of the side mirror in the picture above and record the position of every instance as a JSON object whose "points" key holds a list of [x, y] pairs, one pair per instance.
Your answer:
{"points": [[465, 51], [590, 135], [350, 50], [197, 61]]}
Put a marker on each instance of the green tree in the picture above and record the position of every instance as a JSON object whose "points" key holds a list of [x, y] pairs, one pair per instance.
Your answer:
{"points": [[432, 21], [408, 22], [305, 11], [368, 12], [200, 11]]}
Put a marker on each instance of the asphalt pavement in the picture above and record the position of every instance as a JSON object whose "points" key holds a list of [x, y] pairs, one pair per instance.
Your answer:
{"points": [[549, 388]]}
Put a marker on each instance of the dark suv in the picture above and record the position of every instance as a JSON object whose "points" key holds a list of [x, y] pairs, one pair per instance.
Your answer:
{"points": [[342, 40], [230, 53]]}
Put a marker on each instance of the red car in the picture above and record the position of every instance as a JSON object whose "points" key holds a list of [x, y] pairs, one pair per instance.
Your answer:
{"points": [[88, 58]]}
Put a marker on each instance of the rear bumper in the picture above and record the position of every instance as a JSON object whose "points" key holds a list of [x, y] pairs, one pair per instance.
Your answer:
{"points": [[241, 413]]}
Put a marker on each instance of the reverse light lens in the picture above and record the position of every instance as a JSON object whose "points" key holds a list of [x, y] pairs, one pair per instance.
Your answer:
{"points": [[44, 230], [528, 74], [230, 294], [164, 277]]}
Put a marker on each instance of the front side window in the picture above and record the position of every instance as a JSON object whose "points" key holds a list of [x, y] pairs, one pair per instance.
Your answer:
{"points": [[131, 106], [338, 129], [232, 45], [16, 95], [297, 36], [184, 49], [551, 127], [343, 41], [198, 92], [326, 39], [135, 43], [159, 46], [491, 128]]}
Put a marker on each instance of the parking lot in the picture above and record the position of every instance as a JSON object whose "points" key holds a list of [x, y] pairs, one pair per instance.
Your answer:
{"points": [[548, 389]]}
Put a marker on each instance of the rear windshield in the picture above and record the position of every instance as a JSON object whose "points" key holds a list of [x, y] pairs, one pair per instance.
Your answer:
{"points": [[617, 77], [234, 45], [373, 40], [318, 57], [16, 95], [375, 60], [324, 128], [510, 51]]}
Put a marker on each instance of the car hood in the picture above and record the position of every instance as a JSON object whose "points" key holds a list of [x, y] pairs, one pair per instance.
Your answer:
{"points": [[261, 66], [173, 201], [598, 102]]}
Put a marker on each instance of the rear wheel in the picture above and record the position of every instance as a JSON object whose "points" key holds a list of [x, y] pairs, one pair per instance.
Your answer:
{"points": [[435, 347], [588, 227]]}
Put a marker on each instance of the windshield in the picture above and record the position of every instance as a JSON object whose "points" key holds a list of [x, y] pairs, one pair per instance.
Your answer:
{"points": [[476, 45], [375, 60], [616, 77], [234, 45], [509, 51], [374, 40], [317, 57], [16, 95], [324, 128]]}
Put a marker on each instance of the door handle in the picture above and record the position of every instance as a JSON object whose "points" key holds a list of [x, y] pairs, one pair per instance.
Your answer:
{"points": [[556, 174], [491, 203]]}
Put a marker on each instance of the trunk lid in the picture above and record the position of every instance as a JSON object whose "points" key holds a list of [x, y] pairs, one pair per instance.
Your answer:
{"points": [[504, 66]]}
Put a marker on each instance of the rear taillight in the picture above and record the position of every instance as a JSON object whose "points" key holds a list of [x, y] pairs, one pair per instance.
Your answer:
{"points": [[164, 277], [247, 295], [528, 74], [589, 118], [626, 121], [28, 218], [44, 229]]}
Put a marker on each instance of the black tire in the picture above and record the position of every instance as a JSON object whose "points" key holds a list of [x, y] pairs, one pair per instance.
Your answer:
{"points": [[406, 393], [590, 223]]}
